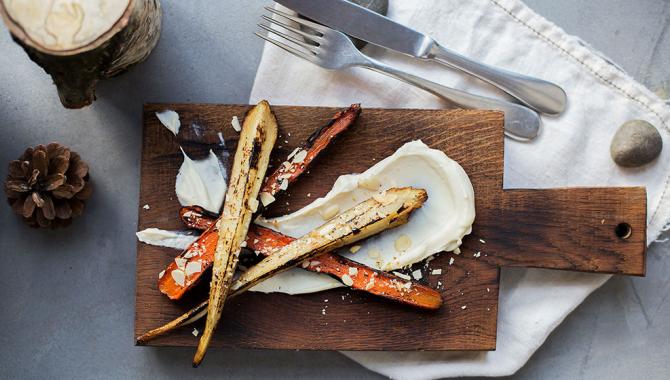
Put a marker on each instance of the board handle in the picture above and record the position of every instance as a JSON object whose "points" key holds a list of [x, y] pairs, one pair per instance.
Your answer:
{"points": [[600, 230]]}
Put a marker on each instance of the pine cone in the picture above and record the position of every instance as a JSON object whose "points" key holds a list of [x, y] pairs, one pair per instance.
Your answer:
{"points": [[47, 185]]}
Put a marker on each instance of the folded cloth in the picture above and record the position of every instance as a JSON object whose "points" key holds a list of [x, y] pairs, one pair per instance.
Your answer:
{"points": [[571, 150]]}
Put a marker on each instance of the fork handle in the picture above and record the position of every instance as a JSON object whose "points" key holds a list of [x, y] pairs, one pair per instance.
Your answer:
{"points": [[538, 94], [521, 122]]}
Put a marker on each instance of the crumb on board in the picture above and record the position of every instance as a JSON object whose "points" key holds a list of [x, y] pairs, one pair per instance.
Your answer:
{"points": [[235, 122]]}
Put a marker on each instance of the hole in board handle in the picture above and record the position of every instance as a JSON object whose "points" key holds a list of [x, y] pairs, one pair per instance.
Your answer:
{"points": [[623, 230]]}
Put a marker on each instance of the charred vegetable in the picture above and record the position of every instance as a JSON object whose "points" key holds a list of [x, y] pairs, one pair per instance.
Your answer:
{"points": [[361, 277], [300, 159], [383, 211], [252, 157], [387, 210], [187, 269]]}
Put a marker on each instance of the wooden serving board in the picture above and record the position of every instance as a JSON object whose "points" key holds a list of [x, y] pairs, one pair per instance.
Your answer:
{"points": [[570, 229]]}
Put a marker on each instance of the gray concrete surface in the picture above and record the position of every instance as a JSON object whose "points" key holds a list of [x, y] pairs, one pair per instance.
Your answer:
{"points": [[67, 297]]}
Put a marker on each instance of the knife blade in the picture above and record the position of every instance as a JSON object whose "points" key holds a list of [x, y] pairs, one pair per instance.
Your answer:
{"points": [[364, 24]]}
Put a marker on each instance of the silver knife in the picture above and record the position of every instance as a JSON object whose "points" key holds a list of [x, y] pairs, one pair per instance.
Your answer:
{"points": [[359, 22]]}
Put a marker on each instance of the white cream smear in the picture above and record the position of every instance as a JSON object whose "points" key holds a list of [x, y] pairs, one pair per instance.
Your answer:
{"points": [[163, 238], [201, 183], [439, 225], [170, 120]]}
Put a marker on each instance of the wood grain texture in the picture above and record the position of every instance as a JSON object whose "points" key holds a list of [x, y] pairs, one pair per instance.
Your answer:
{"points": [[561, 229]]}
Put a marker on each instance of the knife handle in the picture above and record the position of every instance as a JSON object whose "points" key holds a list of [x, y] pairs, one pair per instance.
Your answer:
{"points": [[538, 94], [521, 122]]}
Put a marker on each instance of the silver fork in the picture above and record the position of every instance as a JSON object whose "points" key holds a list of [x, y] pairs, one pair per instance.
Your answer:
{"points": [[333, 50]]}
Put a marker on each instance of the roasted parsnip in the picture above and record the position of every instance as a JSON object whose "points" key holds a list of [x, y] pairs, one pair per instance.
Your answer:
{"points": [[257, 138], [383, 211], [387, 210], [187, 318]]}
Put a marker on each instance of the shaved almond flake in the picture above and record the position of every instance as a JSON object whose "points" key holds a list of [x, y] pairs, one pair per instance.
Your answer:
{"points": [[293, 153], [266, 198], [195, 332], [402, 243], [181, 262], [236, 124], [370, 284], [253, 204], [178, 277], [161, 274], [417, 274], [195, 251], [402, 275], [353, 271], [193, 267], [300, 156], [451, 261], [436, 272], [346, 279]]}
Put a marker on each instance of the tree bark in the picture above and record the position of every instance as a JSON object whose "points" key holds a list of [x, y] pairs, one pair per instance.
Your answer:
{"points": [[80, 42]]}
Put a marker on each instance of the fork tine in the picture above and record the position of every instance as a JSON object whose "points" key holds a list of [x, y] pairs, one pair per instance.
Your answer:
{"points": [[313, 25], [289, 49], [296, 41], [310, 36]]}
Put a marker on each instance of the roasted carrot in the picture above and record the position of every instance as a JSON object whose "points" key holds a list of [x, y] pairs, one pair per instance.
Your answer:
{"points": [[358, 276], [176, 279], [298, 161], [266, 241], [365, 278], [197, 217]]}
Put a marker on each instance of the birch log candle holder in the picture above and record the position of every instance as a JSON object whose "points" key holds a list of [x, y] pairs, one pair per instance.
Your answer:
{"points": [[79, 42]]}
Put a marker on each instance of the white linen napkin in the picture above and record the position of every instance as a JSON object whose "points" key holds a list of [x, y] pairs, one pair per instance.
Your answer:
{"points": [[572, 150]]}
